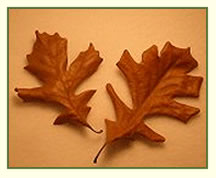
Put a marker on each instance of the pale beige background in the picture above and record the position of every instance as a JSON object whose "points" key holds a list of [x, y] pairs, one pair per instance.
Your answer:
{"points": [[34, 141]]}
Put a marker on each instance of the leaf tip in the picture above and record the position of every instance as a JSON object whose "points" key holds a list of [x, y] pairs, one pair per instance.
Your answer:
{"points": [[153, 48], [109, 87], [125, 55], [37, 33], [196, 111], [126, 52], [91, 46], [168, 43], [26, 67], [188, 49], [160, 139], [60, 120], [150, 53], [126, 61], [56, 34]]}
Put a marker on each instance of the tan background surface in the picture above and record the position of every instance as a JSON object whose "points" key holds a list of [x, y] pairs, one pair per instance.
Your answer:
{"points": [[34, 141]]}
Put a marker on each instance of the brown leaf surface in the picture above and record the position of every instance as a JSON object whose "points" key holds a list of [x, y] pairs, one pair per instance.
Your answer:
{"points": [[48, 62], [153, 84]]}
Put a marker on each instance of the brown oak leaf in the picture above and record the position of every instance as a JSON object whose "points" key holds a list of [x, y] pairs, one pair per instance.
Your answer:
{"points": [[153, 84], [48, 62]]}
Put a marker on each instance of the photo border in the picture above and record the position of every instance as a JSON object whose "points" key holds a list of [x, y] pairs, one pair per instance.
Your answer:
{"points": [[205, 167]]}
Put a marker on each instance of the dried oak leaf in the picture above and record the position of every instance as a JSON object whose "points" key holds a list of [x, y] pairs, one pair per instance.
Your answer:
{"points": [[48, 62], [153, 84]]}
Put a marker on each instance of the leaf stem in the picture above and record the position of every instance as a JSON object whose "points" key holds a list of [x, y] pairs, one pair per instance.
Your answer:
{"points": [[99, 152], [92, 129]]}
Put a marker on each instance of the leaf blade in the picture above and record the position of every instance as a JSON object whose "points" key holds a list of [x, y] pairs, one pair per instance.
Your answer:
{"points": [[48, 62], [153, 84]]}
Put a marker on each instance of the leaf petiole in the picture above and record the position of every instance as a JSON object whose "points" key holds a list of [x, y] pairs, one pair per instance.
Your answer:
{"points": [[98, 154]]}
